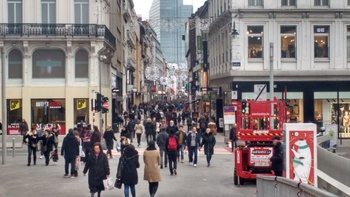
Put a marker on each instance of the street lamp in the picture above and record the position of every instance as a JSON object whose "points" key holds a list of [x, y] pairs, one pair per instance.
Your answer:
{"points": [[102, 59], [4, 107]]}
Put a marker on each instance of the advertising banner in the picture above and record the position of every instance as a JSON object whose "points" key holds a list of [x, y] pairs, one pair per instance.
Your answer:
{"points": [[331, 130], [13, 129], [301, 154], [259, 156], [229, 115]]}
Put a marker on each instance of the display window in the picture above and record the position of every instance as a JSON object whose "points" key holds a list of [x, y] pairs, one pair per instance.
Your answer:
{"points": [[14, 116], [255, 41], [49, 111], [81, 110]]}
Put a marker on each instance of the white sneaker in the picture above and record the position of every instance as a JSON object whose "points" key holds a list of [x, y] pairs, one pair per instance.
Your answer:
{"points": [[41, 157], [195, 165]]}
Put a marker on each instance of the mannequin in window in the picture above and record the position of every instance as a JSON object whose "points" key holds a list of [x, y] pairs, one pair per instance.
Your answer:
{"points": [[253, 53], [346, 118]]}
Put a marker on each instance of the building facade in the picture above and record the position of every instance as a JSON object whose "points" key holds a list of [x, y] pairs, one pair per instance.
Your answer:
{"points": [[168, 17], [307, 44], [53, 59]]}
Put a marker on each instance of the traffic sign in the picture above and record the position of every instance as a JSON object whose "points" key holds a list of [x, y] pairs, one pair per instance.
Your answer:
{"points": [[105, 105]]}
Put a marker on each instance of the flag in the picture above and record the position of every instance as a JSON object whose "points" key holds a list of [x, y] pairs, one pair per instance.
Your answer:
{"points": [[14, 104], [81, 104]]}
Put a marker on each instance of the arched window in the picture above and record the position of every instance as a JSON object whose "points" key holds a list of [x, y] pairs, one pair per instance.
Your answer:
{"points": [[15, 65], [81, 64], [49, 64]]}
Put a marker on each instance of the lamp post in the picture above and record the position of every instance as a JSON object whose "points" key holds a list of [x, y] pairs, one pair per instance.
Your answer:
{"points": [[4, 107], [102, 59], [271, 86]]}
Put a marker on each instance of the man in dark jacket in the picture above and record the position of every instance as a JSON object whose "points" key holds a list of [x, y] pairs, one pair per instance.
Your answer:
{"points": [[172, 147], [150, 130], [70, 151], [161, 141], [172, 128], [181, 136], [233, 137], [193, 142], [277, 157]]}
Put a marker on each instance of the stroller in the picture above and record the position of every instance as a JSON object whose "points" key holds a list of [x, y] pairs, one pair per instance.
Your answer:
{"points": [[54, 155]]}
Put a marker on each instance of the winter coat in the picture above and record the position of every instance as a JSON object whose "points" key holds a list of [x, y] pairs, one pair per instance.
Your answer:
{"points": [[149, 128], [70, 146], [161, 139], [189, 137], [95, 137], [98, 168], [277, 157], [172, 129], [131, 125], [127, 167], [23, 127], [32, 139], [48, 141], [138, 129], [208, 142], [184, 137], [151, 159], [109, 137]]}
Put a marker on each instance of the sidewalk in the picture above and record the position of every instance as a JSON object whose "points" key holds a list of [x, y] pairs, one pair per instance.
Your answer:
{"points": [[344, 149]]}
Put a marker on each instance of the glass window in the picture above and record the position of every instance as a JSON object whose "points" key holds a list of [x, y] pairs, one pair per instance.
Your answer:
{"points": [[81, 64], [81, 110], [321, 2], [255, 41], [14, 116], [81, 8], [255, 2], [288, 41], [48, 11], [348, 42], [49, 64], [321, 41], [14, 11], [15, 65], [348, 2], [288, 2]]}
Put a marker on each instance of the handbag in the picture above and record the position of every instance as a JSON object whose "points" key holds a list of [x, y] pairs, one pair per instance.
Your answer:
{"points": [[118, 183], [81, 152]]}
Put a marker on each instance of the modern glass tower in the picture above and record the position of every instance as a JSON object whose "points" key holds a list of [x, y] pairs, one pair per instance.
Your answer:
{"points": [[168, 18]]}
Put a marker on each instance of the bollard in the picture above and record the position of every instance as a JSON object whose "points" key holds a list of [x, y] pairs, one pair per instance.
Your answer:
{"points": [[13, 147]]}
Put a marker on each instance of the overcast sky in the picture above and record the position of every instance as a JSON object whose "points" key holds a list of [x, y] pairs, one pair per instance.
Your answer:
{"points": [[142, 6]]}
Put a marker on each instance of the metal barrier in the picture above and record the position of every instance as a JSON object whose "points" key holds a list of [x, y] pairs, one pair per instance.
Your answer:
{"points": [[268, 186]]}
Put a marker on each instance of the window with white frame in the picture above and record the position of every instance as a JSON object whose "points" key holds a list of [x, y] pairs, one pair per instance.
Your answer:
{"points": [[14, 11], [255, 2], [288, 2], [288, 41], [81, 11], [348, 42], [48, 11], [81, 64], [15, 65], [321, 2], [321, 41], [255, 41]]}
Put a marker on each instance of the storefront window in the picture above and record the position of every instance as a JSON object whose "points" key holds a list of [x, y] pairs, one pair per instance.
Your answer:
{"points": [[321, 41], [15, 65], [49, 64], [81, 110], [255, 41], [49, 111], [14, 116], [288, 36], [81, 64]]}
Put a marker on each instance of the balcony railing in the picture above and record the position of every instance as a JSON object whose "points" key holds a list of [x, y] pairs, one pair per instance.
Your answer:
{"points": [[131, 64], [57, 30]]}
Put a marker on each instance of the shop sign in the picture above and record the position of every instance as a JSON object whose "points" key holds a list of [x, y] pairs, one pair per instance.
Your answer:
{"points": [[13, 129], [259, 156], [15, 104], [81, 104], [45, 104]]}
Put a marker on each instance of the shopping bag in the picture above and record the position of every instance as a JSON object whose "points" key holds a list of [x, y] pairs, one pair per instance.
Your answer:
{"points": [[103, 145], [117, 146], [108, 183], [81, 152]]}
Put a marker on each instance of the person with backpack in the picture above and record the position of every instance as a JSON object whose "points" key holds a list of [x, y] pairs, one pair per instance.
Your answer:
{"points": [[172, 146]]}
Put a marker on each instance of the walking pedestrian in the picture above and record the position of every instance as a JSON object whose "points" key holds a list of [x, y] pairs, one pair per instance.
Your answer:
{"points": [[161, 142], [85, 136], [98, 167], [78, 158], [149, 128], [127, 169], [138, 131], [108, 135], [23, 127], [172, 145], [31, 140], [193, 142], [172, 127], [181, 136], [95, 136], [48, 143], [277, 157], [70, 151], [151, 159], [124, 138], [208, 142]]}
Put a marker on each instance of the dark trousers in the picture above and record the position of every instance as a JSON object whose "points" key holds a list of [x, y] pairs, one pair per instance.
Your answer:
{"points": [[149, 137], [153, 187], [278, 173], [71, 161], [172, 155], [163, 157], [208, 155], [192, 152], [30, 151], [47, 157], [138, 135], [109, 152]]}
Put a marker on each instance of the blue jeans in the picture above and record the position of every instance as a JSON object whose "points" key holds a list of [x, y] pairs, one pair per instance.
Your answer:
{"points": [[126, 190], [181, 151], [208, 156]]}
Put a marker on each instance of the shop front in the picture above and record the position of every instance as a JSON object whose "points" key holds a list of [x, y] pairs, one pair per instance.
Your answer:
{"points": [[14, 116]]}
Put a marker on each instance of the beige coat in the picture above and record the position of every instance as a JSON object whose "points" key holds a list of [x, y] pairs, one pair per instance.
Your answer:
{"points": [[138, 128], [152, 162]]}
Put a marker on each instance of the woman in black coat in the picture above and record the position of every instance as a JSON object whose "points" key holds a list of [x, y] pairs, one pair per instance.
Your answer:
{"points": [[98, 167], [127, 169], [109, 137], [48, 140], [124, 138], [31, 140], [209, 142]]}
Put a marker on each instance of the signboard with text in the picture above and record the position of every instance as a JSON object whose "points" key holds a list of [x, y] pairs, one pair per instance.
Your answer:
{"points": [[259, 156]]}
